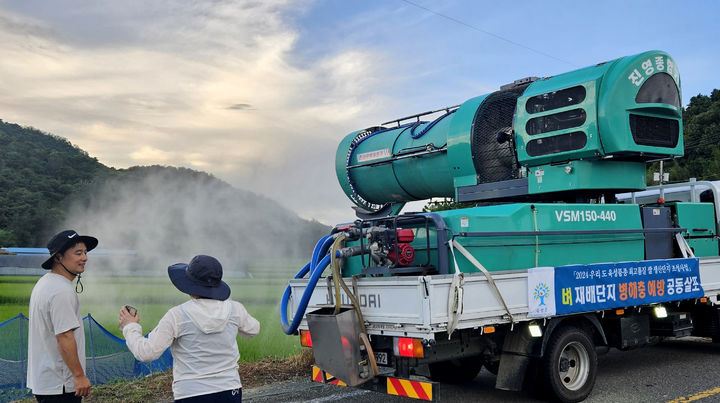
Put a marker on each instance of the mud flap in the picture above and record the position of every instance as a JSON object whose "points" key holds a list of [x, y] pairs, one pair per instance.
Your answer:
{"points": [[519, 350], [511, 374]]}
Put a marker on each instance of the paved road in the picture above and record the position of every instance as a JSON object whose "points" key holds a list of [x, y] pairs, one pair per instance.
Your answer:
{"points": [[677, 371]]}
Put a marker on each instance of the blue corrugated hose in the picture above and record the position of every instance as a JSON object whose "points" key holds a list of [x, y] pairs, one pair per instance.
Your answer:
{"points": [[429, 126], [315, 268]]}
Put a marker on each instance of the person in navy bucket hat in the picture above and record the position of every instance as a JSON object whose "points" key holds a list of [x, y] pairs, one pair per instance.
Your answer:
{"points": [[201, 333], [201, 277]]}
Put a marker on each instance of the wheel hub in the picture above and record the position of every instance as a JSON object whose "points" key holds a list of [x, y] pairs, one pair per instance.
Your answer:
{"points": [[573, 366]]}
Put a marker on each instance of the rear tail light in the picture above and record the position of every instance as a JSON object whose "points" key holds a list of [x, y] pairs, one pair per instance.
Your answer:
{"points": [[408, 347], [305, 339]]}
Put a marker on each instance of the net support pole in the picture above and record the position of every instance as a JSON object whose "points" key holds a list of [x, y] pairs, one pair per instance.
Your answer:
{"points": [[22, 358], [92, 348]]}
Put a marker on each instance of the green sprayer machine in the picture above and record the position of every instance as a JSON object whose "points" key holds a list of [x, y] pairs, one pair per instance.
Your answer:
{"points": [[552, 243]]}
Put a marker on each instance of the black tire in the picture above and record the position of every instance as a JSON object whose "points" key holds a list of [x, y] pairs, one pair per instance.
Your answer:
{"points": [[569, 365], [460, 370]]}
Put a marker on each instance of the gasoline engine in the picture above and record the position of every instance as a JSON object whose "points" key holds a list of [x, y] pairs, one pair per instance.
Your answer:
{"points": [[385, 246]]}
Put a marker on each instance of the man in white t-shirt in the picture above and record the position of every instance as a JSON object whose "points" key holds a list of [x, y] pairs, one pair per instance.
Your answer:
{"points": [[56, 336]]}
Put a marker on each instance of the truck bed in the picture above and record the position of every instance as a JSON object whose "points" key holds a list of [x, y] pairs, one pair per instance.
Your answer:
{"points": [[417, 306]]}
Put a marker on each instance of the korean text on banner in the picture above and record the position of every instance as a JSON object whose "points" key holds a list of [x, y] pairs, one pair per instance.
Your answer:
{"points": [[592, 287], [584, 288]]}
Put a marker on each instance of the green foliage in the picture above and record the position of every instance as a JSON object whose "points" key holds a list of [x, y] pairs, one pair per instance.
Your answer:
{"points": [[6, 238], [37, 172], [445, 204]]}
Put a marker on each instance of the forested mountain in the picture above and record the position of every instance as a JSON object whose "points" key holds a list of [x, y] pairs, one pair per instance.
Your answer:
{"points": [[37, 171], [701, 127], [47, 184]]}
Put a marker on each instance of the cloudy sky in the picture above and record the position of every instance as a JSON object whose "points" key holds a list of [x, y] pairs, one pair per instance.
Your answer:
{"points": [[259, 93]]}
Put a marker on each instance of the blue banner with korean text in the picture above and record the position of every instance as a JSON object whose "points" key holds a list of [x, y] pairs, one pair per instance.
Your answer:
{"points": [[582, 288], [593, 287]]}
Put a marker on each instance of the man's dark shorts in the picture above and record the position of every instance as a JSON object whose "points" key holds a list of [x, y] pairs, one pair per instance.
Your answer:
{"points": [[68, 397], [228, 396]]}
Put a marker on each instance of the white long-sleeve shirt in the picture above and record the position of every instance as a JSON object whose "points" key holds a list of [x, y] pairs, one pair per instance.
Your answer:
{"points": [[201, 334]]}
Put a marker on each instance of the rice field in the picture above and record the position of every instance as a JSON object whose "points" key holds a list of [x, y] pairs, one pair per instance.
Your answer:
{"points": [[153, 296]]}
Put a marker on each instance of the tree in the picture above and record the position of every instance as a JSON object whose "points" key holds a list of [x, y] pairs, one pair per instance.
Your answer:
{"points": [[6, 238]]}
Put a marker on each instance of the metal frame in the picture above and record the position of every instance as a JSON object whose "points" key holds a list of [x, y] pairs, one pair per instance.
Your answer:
{"points": [[441, 237], [692, 184], [418, 115]]}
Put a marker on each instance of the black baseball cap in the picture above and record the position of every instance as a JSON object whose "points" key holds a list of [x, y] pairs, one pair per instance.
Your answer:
{"points": [[61, 240]]}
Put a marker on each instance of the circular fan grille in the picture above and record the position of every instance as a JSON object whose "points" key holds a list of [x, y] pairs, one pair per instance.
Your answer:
{"points": [[495, 160]]}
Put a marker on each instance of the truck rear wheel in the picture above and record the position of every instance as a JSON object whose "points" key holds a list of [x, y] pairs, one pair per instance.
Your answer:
{"points": [[459, 370], [569, 365]]}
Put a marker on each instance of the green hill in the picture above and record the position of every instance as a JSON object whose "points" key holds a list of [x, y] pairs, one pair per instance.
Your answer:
{"points": [[37, 172], [47, 184]]}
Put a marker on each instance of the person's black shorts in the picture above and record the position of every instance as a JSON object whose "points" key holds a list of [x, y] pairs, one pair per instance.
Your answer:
{"points": [[68, 397], [228, 396]]}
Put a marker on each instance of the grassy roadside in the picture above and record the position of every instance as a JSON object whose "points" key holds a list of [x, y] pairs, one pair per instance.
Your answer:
{"points": [[266, 358], [158, 387], [153, 296]]}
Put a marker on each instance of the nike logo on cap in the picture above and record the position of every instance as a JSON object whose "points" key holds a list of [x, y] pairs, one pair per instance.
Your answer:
{"points": [[70, 236]]}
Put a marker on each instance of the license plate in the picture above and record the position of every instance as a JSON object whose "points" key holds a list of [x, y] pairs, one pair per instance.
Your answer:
{"points": [[381, 358]]}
